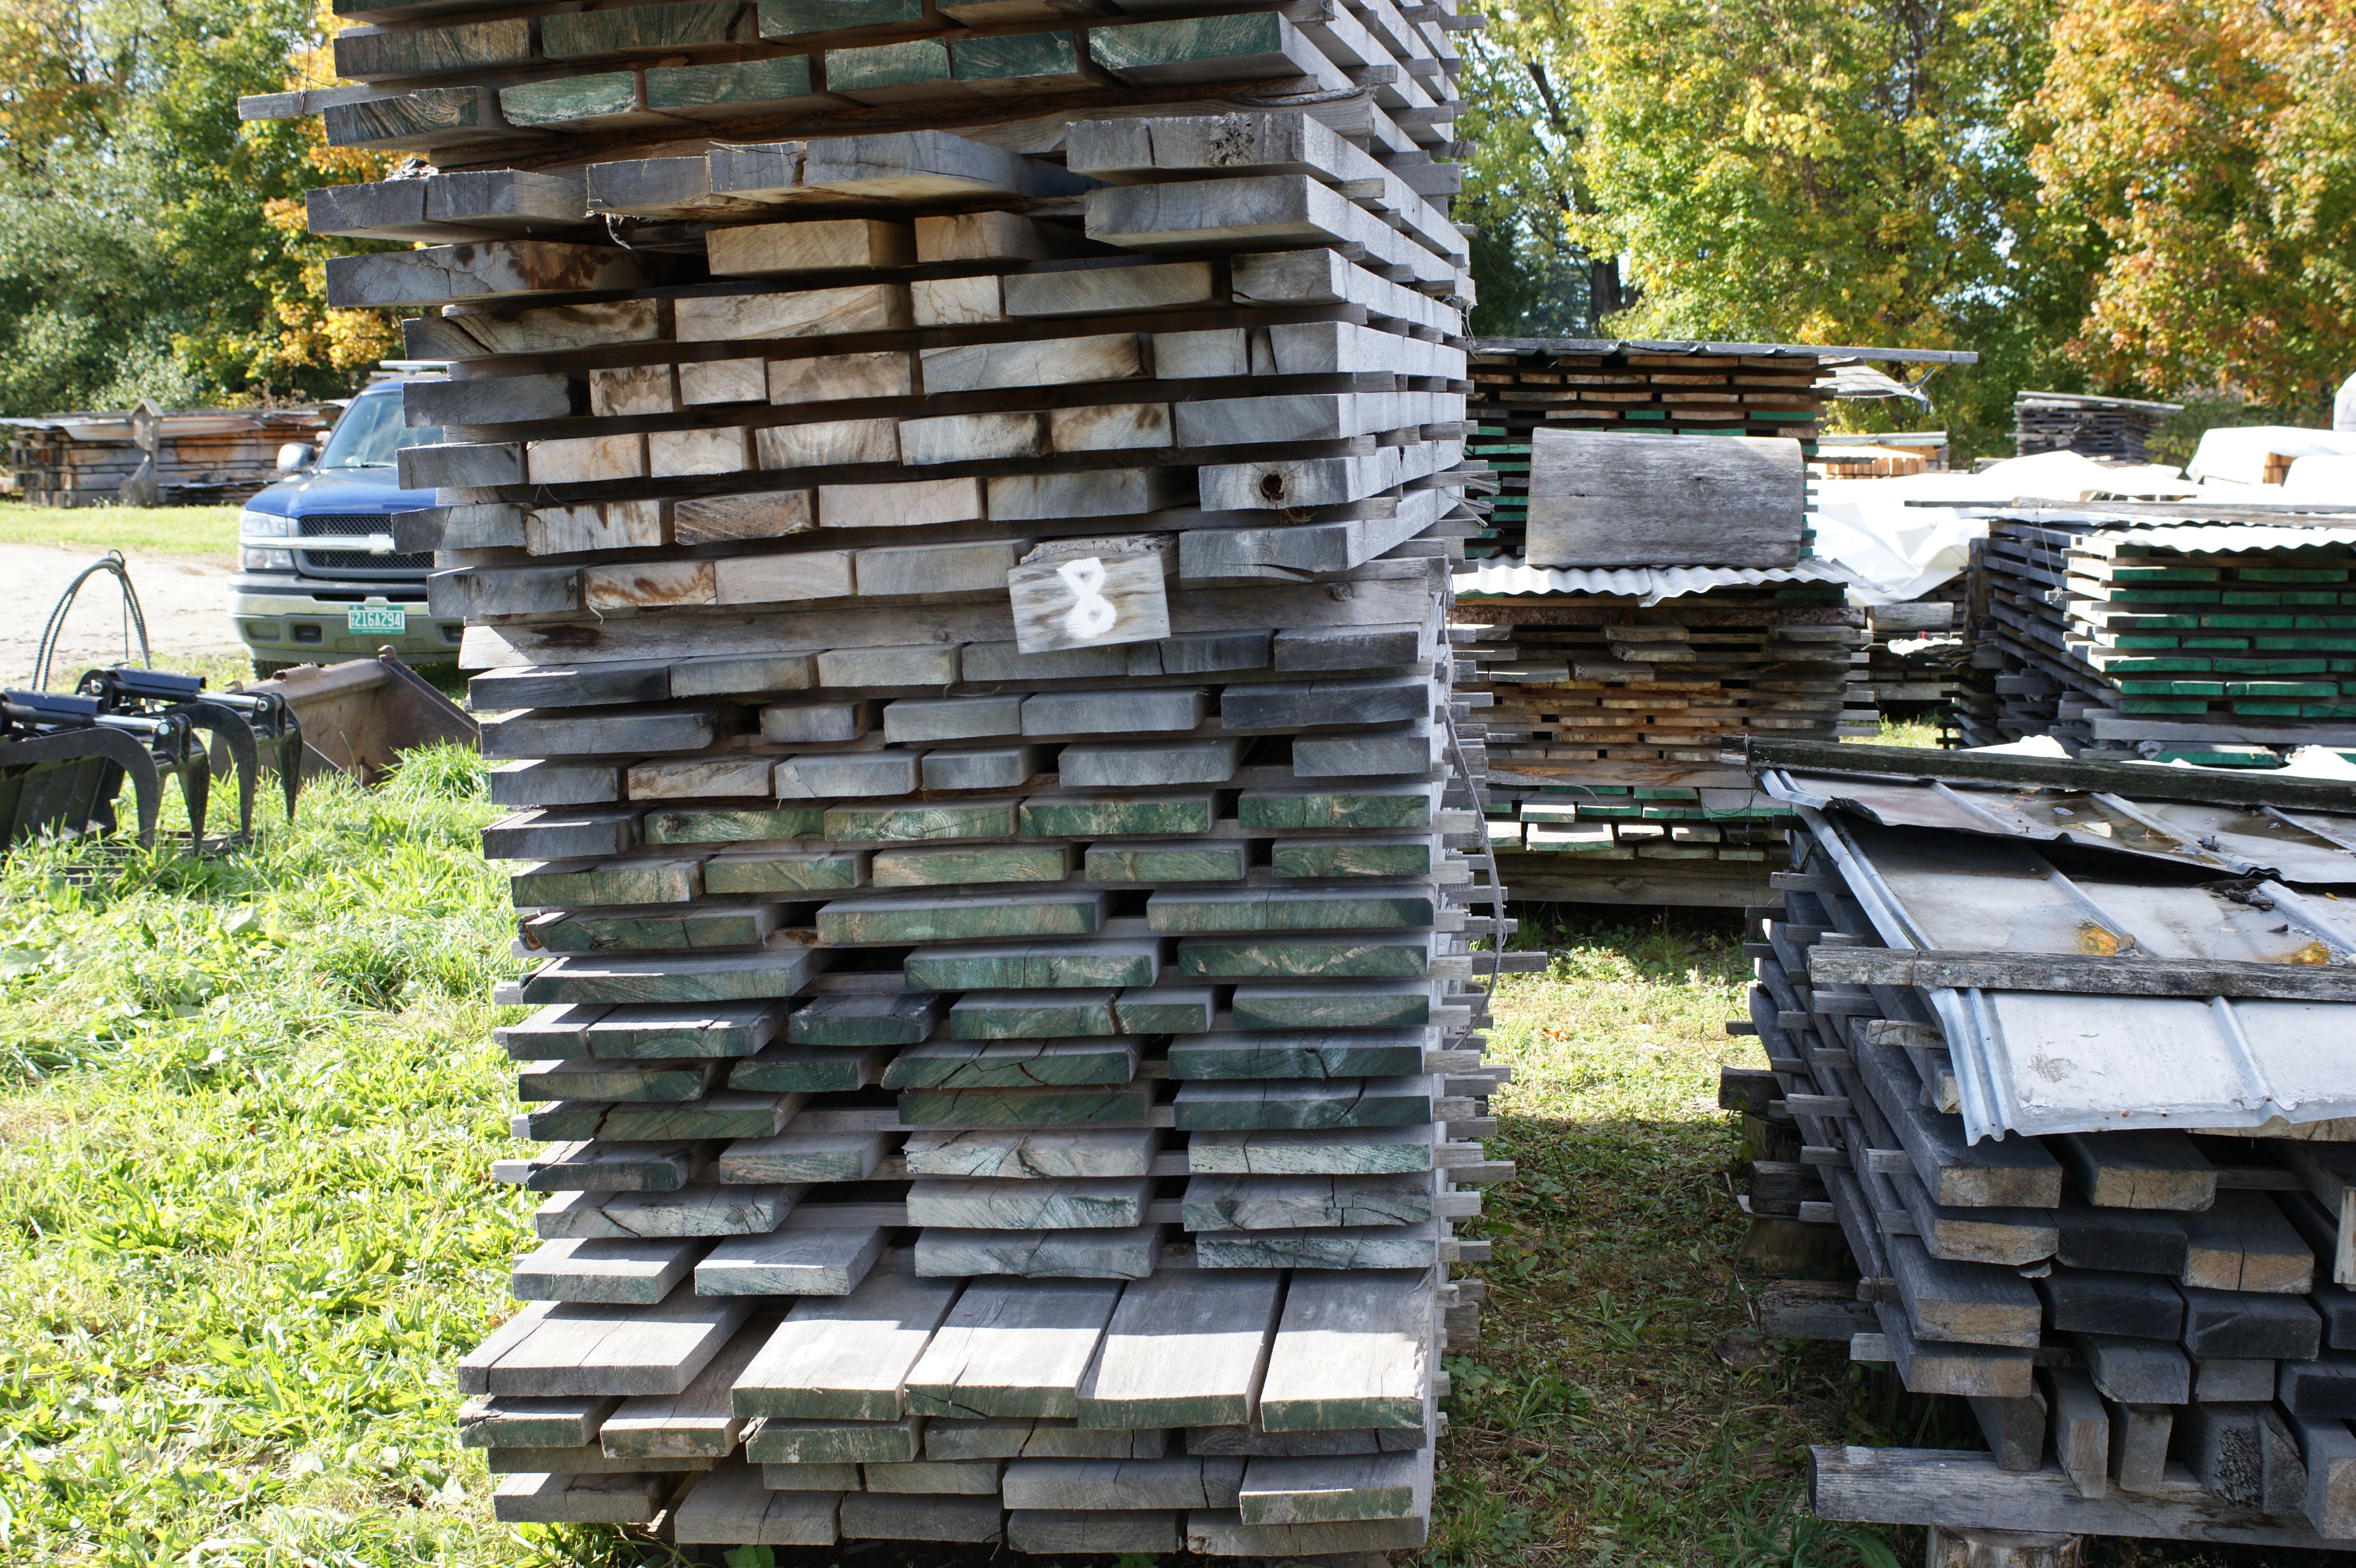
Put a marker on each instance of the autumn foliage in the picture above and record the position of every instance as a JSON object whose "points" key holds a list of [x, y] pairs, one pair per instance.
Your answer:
{"points": [[2113, 195], [2214, 143]]}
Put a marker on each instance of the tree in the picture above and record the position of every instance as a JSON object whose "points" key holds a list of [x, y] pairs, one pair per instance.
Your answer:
{"points": [[146, 246], [1520, 179], [1802, 171], [2213, 142]]}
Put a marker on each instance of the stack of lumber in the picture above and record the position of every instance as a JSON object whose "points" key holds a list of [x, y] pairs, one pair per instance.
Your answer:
{"points": [[204, 457], [1915, 654], [961, 596], [2080, 1120], [1849, 461], [1662, 603], [512, 109], [1610, 710], [2112, 427], [2163, 637], [1523, 385]]}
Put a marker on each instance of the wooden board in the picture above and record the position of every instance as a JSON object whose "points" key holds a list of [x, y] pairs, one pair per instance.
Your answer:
{"points": [[1611, 498], [812, 1261], [1043, 1531], [733, 1507], [525, 1423], [1967, 1490], [701, 1208], [1080, 1254], [1335, 1489], [1066, 1204], [1114, 1485], [1028, 1437], [1313, 1151], [1352, 1350], [780, 1441], [1014, 1349], [624, 1499], [553, 1349], [1183, 1349], [845, 1358], [1039, 1153], [617, 1271]]}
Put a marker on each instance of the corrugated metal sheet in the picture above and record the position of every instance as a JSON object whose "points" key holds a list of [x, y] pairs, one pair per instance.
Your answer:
{"points": [[2306, 847], [2041, 1062], [1504, 577], [1690, 346], [1864, 381], [2233, 538]]}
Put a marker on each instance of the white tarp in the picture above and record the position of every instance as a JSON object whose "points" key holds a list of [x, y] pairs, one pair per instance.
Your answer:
{"points": [[1894, 552], [2238, 456], [2326, 480]]}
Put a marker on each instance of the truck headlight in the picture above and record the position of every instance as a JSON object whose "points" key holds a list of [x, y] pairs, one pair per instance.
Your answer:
{"points": [[266, 560], [253, 524]]}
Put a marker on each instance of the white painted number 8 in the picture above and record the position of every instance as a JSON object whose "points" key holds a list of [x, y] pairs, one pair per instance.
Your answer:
{"points": [[1091, 614]]}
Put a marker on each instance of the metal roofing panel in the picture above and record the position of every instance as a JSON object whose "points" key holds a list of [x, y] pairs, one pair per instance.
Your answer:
{"points": [[1691, 346], [2046, 1062], [1511, 577], [2233, 538], [2308, 848]]}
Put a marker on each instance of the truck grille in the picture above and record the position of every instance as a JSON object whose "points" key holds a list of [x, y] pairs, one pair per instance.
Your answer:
{"points": [[349, 564]]}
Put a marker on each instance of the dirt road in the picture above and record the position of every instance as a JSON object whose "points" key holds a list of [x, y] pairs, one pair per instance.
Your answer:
{"points": [[186, 598]]}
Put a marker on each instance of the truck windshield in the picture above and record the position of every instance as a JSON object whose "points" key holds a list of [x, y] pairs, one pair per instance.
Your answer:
{"points": [[371, 432]]}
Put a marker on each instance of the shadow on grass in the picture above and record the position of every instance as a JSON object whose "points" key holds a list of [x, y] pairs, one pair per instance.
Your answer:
{"points": [[1621, 1407]]}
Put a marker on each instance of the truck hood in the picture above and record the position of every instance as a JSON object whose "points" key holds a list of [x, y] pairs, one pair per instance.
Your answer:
{"points": [[341, 490]]}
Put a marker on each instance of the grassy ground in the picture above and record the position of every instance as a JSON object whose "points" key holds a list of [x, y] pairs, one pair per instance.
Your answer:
{"points": [[162, 531], [1905, 732], [246, 1107], [1607, 1416]]}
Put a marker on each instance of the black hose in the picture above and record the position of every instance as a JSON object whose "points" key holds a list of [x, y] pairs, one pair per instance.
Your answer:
{"points": [[133, 617]]}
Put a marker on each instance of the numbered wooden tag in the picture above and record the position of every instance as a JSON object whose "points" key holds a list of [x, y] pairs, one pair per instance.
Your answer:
{"points": [[1090, 593]]}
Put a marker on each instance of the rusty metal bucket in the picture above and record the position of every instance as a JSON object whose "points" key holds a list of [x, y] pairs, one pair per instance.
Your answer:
{"points": [[358, 717]]}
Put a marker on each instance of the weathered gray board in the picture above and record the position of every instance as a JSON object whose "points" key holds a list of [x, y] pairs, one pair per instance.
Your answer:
{"points": [[1601, 499]]}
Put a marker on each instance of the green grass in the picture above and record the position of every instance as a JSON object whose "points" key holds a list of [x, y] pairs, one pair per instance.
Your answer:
{"points": [[247, 1106], [155, 530], [249, 1109], [1596, 1424], [1905, 732]]}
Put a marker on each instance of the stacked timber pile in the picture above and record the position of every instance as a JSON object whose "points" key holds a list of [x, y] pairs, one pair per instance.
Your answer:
{"points": [[1916, 656], [1856, 462], [963, 595], [2112, 427], [2055, 1057], [1522, 385], [1644, 632], [204, 457], [2167, 636]]}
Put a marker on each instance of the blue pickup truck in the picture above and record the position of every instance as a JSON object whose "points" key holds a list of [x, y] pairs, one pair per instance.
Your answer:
{"points": [[317, 579]]}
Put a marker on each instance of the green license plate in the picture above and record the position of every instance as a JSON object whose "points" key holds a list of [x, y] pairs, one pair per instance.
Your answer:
{"points": [[393, 618]]}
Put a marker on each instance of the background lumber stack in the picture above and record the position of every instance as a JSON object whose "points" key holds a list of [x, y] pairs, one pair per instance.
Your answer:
{"points": [[2145, 1318], [1612, 695], [2112, 427], [1916, 655], [2157, 637], [961, 601], [205, 457], [1524, 385]]}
